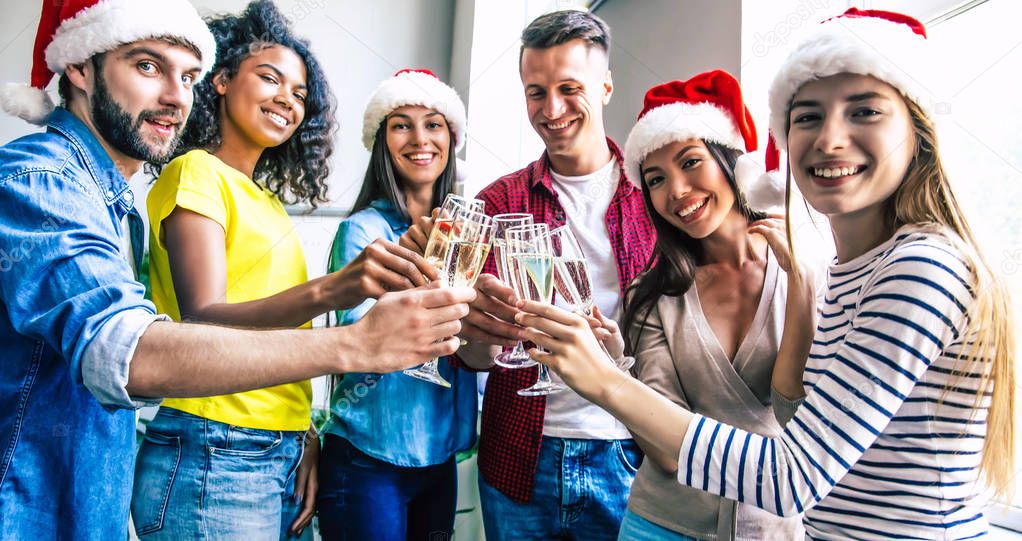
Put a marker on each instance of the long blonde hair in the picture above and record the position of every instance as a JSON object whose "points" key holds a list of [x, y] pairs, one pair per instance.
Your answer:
{"points": [[925, 197]]}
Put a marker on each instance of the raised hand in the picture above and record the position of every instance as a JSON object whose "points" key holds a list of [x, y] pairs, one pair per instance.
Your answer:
{"points": [[773, 229], [492, 314], [571, 347], [417, 236], [381, 267], [408, 328], [607, 332]]}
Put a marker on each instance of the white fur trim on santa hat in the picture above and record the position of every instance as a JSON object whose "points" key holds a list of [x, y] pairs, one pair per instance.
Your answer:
{"points": [[26, 102], [763, 190], [111, 23], [881, 48], [414, 88], [666, 124]]}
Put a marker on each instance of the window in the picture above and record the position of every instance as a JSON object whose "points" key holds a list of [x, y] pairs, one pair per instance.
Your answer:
{"points": [[980, 130]]}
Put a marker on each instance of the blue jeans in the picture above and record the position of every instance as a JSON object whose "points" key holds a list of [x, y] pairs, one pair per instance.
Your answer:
{"points": [[201, 479], [636, 528], [581, 492], [363, 498]]}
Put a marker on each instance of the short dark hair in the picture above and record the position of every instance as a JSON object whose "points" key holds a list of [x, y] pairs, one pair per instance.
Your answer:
{"points": [[559, 27]]}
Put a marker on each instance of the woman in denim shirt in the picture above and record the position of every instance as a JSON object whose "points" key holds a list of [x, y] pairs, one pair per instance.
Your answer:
{"points": [[388, 468]]}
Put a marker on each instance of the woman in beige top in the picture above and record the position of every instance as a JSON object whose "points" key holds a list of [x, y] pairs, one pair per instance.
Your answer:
{"points": [[705, 318]]}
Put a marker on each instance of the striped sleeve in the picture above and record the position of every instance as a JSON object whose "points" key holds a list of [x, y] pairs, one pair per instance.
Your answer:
{"points": [[910, 309]]}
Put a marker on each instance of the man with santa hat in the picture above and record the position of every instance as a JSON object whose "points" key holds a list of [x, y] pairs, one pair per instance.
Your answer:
{"points": [[82, 346]]}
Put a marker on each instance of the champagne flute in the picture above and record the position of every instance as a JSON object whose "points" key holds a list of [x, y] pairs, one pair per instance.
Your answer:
{"points": [[467, 246], [517, 357], [572, 280], [439, 236], [529, 249]]}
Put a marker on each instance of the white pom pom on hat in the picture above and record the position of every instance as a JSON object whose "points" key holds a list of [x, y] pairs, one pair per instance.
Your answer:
{"points": [[708, 106], [72, 31], [414, 87]]}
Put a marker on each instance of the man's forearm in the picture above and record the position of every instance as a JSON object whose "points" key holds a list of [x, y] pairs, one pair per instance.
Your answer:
{"points": [[184, 360]]}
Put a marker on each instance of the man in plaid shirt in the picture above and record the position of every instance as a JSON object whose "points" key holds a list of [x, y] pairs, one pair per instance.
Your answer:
{"points": [[559, 466]]}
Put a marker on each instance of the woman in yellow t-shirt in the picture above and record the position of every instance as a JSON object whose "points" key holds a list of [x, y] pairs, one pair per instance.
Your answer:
{"points": [[223, 250]]}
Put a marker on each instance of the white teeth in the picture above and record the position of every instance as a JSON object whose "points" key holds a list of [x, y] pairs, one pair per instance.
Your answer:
{"points": [[558, 126], [277, 119], [834, 172], [687, 211], [419, 156]]}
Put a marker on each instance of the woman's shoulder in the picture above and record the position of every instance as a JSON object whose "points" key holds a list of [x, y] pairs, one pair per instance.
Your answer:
{"points": [[364, 226], [929, 244], [927, 258], [194, 165], [371, 218]]}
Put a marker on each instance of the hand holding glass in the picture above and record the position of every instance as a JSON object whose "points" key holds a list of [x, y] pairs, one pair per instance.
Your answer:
{"points": [[528, 249], [467, 243], [517, 357], [572, 281]]}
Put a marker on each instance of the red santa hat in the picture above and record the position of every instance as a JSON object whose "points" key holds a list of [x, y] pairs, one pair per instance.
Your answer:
{"points": [[708, 106], [72, 31], [886, 45], [414, 87]]}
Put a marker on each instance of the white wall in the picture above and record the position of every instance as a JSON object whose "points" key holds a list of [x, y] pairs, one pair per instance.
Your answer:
{"points": [[663, 41], [358, 43]]}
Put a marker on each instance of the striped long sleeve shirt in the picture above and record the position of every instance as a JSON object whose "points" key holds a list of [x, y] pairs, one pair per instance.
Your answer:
{"points": [[888, 441]]}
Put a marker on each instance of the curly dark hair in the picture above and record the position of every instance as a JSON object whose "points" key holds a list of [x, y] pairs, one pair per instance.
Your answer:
{"points": [[296, 171]]}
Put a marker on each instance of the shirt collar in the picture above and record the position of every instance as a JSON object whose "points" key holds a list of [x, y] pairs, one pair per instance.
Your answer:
{"points": [[544, 178], [97, 161], [390, 213]]}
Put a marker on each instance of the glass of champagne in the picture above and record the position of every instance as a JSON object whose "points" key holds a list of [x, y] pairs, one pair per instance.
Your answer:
{"points": [[528, 247], [517, 357], [467, 246], [436, 245], [572, 281]]}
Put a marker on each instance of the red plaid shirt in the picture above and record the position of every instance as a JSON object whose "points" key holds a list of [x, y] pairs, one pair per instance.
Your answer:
{"points": [[512, 425]]}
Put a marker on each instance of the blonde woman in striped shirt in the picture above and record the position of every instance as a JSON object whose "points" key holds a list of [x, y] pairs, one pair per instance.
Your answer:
{"points": [[902, 397]]}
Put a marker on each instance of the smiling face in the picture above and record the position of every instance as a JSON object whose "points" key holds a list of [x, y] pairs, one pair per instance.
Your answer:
{"points": [[419, 143], [850, 142], [264, 102], [566, 87], [688, 188], [141, 97]]}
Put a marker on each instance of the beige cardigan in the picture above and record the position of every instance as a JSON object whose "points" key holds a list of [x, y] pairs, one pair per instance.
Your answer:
{"points": [[679, 356]]}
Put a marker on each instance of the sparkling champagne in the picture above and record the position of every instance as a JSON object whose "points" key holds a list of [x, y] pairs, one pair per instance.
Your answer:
{"points": [[535, 271], [465, 262], [439, 238], [571, 278]]}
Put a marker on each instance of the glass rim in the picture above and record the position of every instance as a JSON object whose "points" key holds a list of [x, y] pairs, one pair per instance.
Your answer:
{"points": [[523, 227], [512, 215], [484, 218]]}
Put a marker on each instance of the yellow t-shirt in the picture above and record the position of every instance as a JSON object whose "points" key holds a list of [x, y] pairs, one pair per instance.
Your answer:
{"points": [[264, 257]]}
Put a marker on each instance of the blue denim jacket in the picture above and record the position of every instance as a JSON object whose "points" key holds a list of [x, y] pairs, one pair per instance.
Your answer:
{"points": [[394, 417], [71, 313]]}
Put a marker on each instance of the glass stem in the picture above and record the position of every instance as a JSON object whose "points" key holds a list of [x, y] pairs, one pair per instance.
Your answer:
{"points": [[544, 374]]}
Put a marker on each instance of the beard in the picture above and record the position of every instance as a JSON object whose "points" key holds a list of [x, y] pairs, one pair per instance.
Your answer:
{"points": [[124, 133]]}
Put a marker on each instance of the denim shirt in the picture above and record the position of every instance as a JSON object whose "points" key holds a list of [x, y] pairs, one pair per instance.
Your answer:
{"points": [[71, 313], [394, 417]]}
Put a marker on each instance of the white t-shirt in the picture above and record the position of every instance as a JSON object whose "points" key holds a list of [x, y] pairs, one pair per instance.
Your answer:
{"points": [[585, 200]]}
